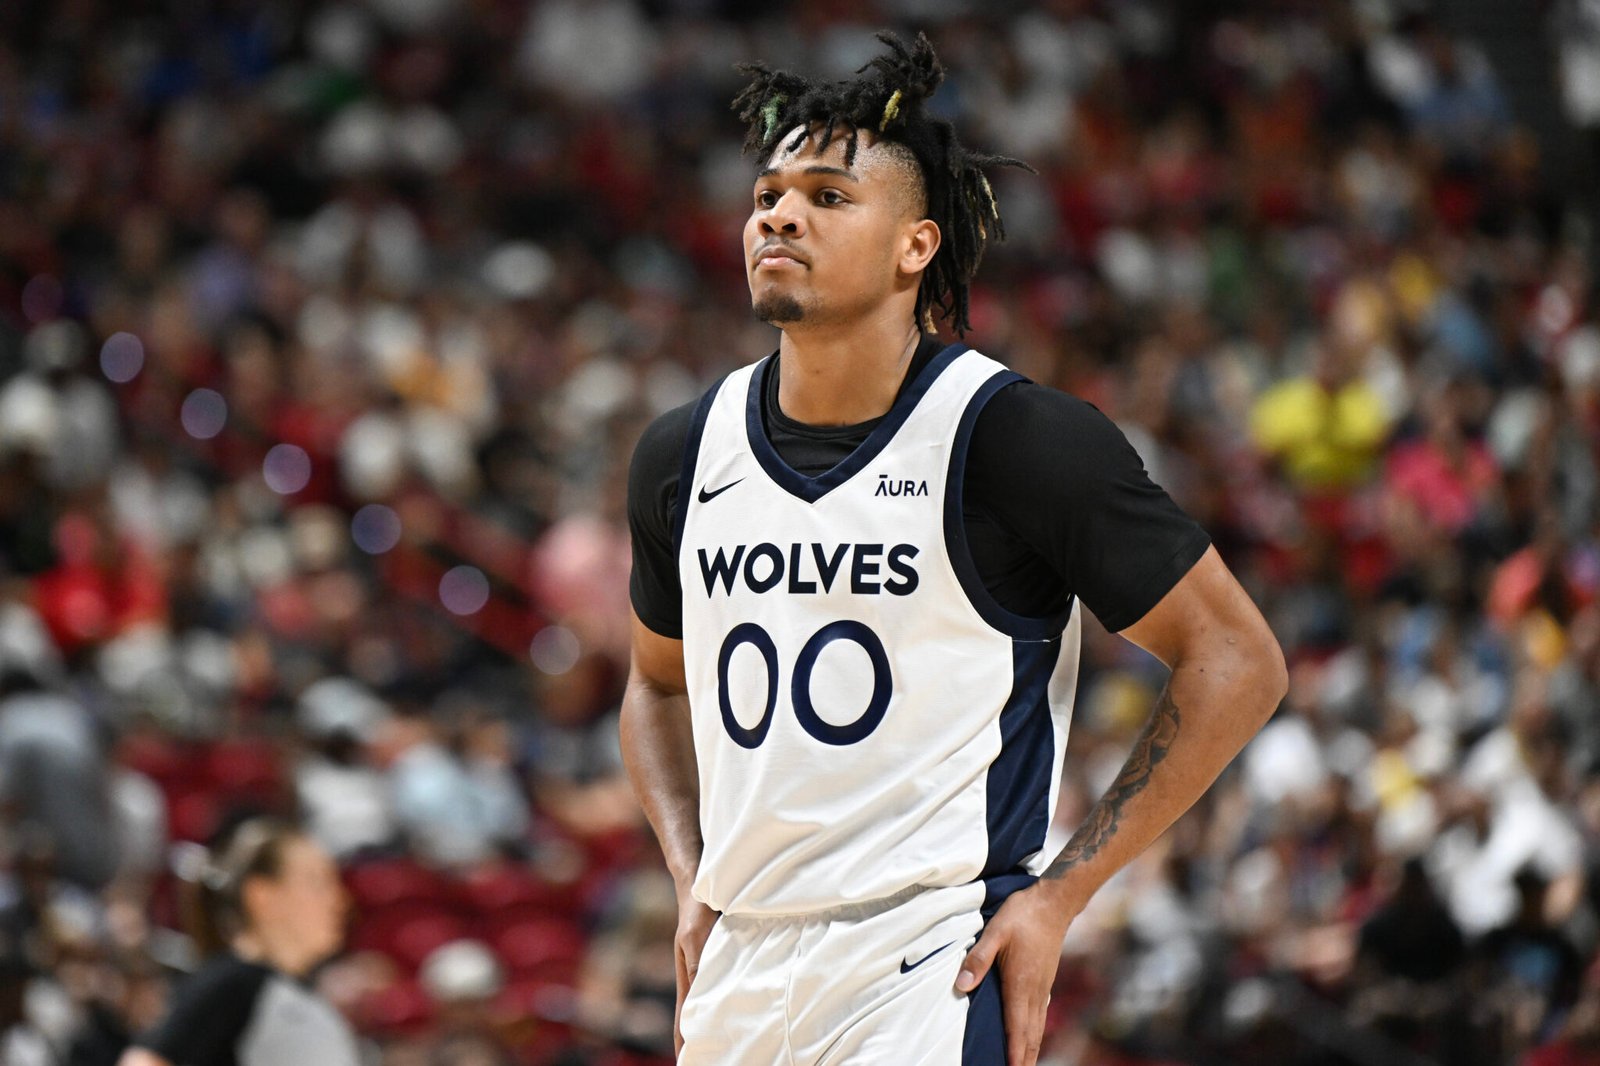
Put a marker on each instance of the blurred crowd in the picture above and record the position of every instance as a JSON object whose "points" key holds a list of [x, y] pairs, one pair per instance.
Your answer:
{"points": [[327, 328]]}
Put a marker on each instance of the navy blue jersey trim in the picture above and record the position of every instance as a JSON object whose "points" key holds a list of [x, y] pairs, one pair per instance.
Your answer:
{"points": [[1018, 626], [984, 1041], [812, 489], [691, 455], [1018, 784], [998, 889]]}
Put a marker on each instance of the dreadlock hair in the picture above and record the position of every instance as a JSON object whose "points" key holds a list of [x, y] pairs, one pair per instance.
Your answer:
{"points": [[888, 97]]}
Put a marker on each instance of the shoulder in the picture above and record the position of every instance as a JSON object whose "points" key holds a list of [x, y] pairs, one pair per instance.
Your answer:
{"points": [[660, 448], [1027, 431], [225, 979], [663, 440], [1039, 412], [658, 463], [209, 1012], [297, 1025]]}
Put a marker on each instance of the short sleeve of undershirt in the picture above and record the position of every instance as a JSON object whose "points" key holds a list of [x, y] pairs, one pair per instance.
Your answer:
{"points": [[1067, 493], [653, 476], [209, 1014]]}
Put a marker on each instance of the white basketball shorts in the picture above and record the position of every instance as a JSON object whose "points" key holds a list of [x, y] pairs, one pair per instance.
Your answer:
{"points": [[872, 984]]}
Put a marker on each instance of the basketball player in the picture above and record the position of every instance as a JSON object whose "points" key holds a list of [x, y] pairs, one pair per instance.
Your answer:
{"points": [[860, 567]]}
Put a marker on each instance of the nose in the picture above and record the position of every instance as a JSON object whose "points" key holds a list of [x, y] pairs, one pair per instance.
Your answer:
{"points": [[784, 217]]}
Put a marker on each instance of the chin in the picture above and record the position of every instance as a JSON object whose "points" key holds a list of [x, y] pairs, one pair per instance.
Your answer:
{"points": [[778, 308]]}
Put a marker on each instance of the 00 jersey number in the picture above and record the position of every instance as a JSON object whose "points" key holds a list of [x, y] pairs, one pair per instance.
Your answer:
{"points": [[800, 683]]}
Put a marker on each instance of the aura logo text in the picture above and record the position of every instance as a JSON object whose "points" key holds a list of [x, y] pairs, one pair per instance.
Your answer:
{"points": [[900, 487]]}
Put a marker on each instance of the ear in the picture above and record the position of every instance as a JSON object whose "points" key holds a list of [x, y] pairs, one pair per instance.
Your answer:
{"points": [[250, 896], [919, 242]]}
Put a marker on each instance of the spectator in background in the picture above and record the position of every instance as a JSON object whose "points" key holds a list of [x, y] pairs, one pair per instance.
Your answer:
{"points": [[1408, 953], [21, 1042], [344, 798], [455, 796], [575, 757], [462, 979], [628, 988], [129, 996], [53, 775], [1533, 970], [268, 908], [1327, 426]]}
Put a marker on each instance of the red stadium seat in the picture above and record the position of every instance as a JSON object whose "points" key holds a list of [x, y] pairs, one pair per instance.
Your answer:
{"points": [[376, 928], [401, 1009], [408, 932], [618, 849], [375, 885], [193, 813], [249, 767], [544, 947], [157, 757], [421, 937], [508, 888]]}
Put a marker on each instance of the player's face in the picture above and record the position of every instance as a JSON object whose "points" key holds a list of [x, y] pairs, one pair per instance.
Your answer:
{"points": [[828, 242]]}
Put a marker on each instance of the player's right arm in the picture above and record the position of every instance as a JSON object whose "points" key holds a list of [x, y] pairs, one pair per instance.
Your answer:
{"points": [[657, 742], [658, 750]]}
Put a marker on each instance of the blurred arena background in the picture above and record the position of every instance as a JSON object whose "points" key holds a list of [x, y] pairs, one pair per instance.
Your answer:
{"points": [[327, 327]]}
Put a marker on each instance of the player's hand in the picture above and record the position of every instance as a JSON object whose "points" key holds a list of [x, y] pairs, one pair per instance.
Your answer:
{"points": [[1024, 940], [695, 920]]}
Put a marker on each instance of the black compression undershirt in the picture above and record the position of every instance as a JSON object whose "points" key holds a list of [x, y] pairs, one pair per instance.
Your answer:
{"points": [[1057, 504]]}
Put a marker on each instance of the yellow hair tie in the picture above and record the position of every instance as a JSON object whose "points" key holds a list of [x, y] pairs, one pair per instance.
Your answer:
{"points": [[890, 110]]}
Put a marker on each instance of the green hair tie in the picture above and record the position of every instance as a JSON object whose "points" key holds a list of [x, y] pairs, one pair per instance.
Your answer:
{"points": [[890, 110], [769, 115]]}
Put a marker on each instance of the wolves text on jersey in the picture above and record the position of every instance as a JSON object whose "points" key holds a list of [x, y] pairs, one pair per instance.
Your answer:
{"points": [[811, 568]]}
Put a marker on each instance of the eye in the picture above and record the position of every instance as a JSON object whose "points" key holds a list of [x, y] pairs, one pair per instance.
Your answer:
{"points": [[831, 197], [766, 198]]}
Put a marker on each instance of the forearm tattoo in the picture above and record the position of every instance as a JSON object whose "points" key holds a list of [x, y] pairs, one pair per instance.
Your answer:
{"points": [[1101, 824]]}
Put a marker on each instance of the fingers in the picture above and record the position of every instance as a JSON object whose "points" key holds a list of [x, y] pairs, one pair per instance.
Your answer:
{"points": [[1024, 1008], [694, 930], [978, 960], [1024, 989], [692, 938], [683, 976], [694, 945], [688, 961]]}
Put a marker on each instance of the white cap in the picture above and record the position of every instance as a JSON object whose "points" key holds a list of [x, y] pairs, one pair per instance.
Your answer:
{"points": [[461, 970]]}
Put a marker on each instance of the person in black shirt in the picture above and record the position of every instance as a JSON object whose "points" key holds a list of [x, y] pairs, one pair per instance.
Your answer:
{"points": [[271, 907], [868, 220]]}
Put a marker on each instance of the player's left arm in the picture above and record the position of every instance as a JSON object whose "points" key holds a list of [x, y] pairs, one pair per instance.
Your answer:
{"points": [[1228, 676]]}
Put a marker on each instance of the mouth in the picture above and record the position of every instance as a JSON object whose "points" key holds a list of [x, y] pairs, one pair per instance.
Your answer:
{"points": [[773, 258]]}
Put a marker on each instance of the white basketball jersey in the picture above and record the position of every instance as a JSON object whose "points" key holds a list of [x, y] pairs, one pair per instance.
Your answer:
{"points": [[865, 716]]}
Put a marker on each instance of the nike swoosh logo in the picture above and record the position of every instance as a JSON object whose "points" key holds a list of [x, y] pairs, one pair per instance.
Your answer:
{"points": [[906, 967], [707, 497]]}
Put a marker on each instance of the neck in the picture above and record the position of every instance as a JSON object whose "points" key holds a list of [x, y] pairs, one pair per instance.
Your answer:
{"points": [[278, 952], [841, 374]]}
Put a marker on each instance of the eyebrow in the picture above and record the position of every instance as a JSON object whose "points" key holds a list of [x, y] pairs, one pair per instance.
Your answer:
{"points": [[835, 171]]}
